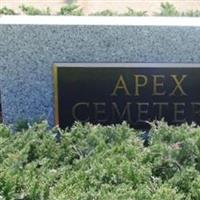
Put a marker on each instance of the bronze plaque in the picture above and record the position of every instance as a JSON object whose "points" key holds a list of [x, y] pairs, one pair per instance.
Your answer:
{"points": [[137, 93]]}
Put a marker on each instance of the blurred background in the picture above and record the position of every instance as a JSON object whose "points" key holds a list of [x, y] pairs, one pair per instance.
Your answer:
{"points": [[88, 7]]}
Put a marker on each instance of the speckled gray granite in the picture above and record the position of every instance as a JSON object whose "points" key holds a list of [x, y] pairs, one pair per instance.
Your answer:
{"points": [[28, 52]]}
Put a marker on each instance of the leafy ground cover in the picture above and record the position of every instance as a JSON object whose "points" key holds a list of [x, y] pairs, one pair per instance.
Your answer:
{"points": [[93, 162]]}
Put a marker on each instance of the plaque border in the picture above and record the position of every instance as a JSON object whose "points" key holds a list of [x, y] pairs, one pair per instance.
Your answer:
{"points": [[56, 104]]}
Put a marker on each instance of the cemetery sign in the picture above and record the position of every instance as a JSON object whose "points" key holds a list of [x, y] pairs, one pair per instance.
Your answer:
{"points": [[136, 93]]}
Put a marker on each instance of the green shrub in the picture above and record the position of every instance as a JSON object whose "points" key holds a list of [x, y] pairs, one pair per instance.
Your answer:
{"points": [[71, 9], [7, 11], [191, 13], [105, 13], [166, 192], [100, 162], [132, 12], [183, 179], [30, 10], [195, 188], [168, 9]]}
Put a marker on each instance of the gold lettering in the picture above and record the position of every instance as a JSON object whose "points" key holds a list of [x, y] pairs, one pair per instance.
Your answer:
{"points": [[178, 85], [178, 112], [121, 115], [78, 106], [120, 85], [142, 112], [140, 81], [158, 83], [99, 111]]}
